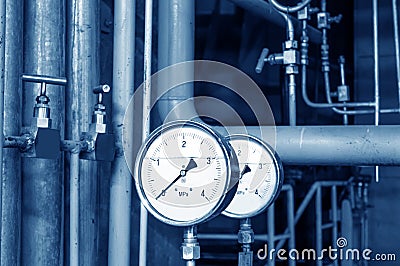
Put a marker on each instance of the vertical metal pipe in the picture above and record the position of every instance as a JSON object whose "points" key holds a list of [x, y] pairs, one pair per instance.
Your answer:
{"points": [[271, 233], [74, 210], [148, 40], [146, 118], [292, 99], [176, 44], [396, 44], [191, 263], [290, 219], [11, 168], [123, 88], [43, 179], [2, 84], [376, 69], [376, 59], [83, 74], [334, 219], [318, 224]]}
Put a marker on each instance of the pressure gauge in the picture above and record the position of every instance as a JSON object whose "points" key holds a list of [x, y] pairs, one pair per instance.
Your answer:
{"points": [[185, 173], [260, 179]]}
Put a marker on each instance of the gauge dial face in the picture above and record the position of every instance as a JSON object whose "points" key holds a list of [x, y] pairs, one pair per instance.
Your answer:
{"points": [[260, 178], [183, 173]]}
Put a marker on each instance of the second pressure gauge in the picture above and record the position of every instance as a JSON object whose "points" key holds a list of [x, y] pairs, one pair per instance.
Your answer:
{"points": [[185, 173], [260, 178]]}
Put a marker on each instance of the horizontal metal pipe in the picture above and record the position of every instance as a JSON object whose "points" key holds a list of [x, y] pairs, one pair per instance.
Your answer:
{"points": [[21, 142], [267, 11], [74, 146], [329, 104], [333, 145], [234, 237]]}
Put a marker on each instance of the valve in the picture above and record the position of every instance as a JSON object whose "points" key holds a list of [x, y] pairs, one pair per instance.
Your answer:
{"points": [[101, 145], [246, 238], [290, 58], [190, 247], [324, 20], [306, 12], [45, 140]]}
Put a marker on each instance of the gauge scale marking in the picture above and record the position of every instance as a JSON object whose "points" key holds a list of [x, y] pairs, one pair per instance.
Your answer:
{"points": [[261, 177], [183, 173]]}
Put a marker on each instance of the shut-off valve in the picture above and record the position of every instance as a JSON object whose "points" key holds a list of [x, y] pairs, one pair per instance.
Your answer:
{"points": [[43, 141], [101, 145]]}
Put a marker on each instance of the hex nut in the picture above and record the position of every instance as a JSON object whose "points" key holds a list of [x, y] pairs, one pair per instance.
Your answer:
{"points": [[291, 44], [190, 251], [246, 236], [292, 69], [42, 122]]}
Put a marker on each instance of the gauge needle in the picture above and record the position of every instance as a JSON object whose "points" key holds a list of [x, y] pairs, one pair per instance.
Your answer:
{"points": [[192, 164], [245, 170]]}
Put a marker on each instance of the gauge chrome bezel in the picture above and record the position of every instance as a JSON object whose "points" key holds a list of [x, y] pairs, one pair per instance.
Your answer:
{"points": [[278, 168], [231, 175]]}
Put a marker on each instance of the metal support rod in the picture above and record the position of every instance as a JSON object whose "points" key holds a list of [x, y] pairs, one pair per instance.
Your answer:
{"points": [[365, 218], [123, 88], [306, 201], [334, 219], [271, 232], [318, 224], [332, 145], [44, 46], [148, 39], [267, 11], [290, 221]]}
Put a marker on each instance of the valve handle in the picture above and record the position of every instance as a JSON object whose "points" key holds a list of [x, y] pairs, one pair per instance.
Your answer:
{"points": [[100, 90], [44, 79], [261, 60], [336, 19]]}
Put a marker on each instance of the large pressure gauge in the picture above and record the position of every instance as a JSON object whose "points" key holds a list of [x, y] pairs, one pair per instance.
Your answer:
{"points": [[260, 178], [185, 173]]}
